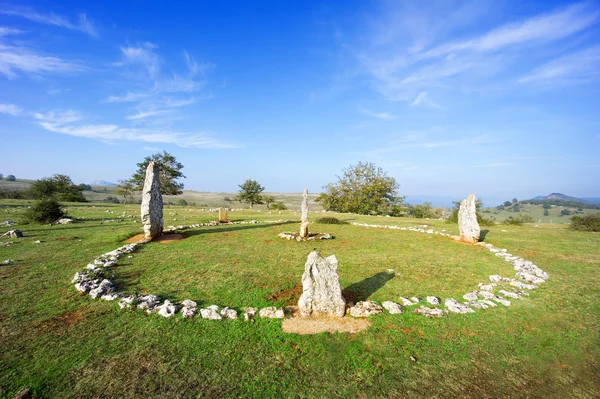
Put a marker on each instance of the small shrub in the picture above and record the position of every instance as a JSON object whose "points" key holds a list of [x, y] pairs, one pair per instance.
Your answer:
{"points": [[10, 178], [278, 206], [519, 220], [46, 210], [586, 223], [112, 200], [330, 220], [182, 202]]}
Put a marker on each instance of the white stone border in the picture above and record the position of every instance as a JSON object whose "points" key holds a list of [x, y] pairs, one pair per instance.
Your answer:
{"points": [[92, 281]]}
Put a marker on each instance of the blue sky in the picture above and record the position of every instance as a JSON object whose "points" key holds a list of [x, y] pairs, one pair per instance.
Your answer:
{"points": [[497, 98]]}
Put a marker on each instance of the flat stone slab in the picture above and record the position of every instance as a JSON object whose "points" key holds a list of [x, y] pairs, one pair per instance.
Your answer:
{"points": [[310, 325]]}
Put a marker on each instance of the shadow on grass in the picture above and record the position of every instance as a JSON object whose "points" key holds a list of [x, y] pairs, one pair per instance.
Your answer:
{"points": [[483, 234], [362, 290], [219, 229]]}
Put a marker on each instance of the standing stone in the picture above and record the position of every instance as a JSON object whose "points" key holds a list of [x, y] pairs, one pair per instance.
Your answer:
{"points": [[152, 203], [322, 294], [222, 215], [304, 217], [467, 220]]}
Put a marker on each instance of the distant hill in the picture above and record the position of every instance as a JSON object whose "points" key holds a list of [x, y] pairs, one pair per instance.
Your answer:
{"points": [[102, 183], [562, 197]]}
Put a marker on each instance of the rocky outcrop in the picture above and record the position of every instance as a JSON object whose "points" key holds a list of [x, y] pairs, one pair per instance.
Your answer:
{"points": [[321, 291]]}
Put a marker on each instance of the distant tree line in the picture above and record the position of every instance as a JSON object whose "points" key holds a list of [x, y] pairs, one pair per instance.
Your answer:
{"points": [[570, 204]]}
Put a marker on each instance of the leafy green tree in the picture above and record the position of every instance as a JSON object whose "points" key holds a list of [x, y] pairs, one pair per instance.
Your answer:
{"points": [[547, 206], [514, 200], [250, 193], [46, 210], [59, 187], [278, 206], [170, 171], [424, 210], [85, 187], [546, 212], [10, 178], [268, 200], [565, 212], [507, 203], [364, 189], [126, 188], [1, 176]]}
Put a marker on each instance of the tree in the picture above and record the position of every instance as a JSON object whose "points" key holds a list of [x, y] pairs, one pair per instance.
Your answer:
{"points": [[46, 210], [507, 203], [365, 189], [546, 212], [424, 210], [10, 178], [268, 200], [278, 206], [170, 171], [126, 188], [514, 201], [1, 176], [250, 193], [59, 187], [85, 187]]}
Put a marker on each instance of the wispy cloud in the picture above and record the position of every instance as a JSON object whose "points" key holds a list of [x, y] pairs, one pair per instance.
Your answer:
{"points": [[4, 31], [143, 54], [129, 97], [579, 66], [407, 53], [10, 109], [144, 114], [83, 24], [423, 99], [19, 59], [70, 122], [379, 115]]}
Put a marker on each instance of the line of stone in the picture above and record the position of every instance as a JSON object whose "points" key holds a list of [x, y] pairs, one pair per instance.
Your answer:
{"points": [[92, 282], [530, 274]]}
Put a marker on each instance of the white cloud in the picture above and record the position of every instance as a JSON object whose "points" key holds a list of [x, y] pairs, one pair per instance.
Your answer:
{"points": [[58, 117], [578, 66], [14, 59], [144, 114], [406, 51], [4, 31], [83, 24], [423, 99], [10, 109], [129, 97], [143, 54], [169, 102], [379, 115]]}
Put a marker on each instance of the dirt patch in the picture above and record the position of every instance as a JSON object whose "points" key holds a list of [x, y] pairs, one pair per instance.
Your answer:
{"points": [[164, 239], [290, 295], [60, 323], [310, 325]]}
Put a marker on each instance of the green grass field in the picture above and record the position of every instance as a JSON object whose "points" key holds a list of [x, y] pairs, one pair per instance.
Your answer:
{"points": [[62, 344]]}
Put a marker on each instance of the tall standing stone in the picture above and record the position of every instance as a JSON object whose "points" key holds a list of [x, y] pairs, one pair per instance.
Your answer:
{"points": [[322, 294], [152, 203], [304, 217], [467, 220], [222, 215]]}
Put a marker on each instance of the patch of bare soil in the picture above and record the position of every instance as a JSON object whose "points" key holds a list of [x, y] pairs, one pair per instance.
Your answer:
{"points": [[317, 325], [164, 239], [290, 295], [61, 322]]}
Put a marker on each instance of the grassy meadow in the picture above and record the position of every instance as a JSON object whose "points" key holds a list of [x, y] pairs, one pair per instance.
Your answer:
{"points": [[62, 344]]}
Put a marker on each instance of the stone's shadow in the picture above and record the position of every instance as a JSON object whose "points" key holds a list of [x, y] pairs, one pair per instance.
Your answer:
{"points": [[362, 290], [219, 229], [483, 234]]}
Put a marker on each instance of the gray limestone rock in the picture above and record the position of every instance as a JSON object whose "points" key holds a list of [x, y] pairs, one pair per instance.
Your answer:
{"points": [[167, 309], [211, 313], [470, 296], [433, 300], [467, 220], [148, 302], [405, 301], [228, 313], [249, 313], [12, 234], [152, 203], [271, 312], [392, 307], [365, 309], [322, 294], [429, 312], [456, 307]]}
